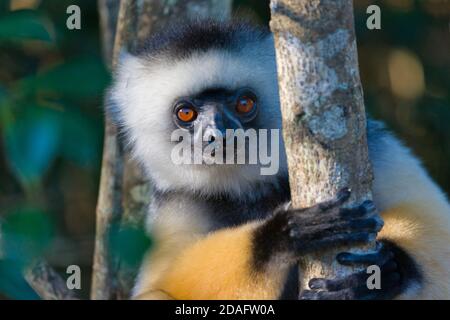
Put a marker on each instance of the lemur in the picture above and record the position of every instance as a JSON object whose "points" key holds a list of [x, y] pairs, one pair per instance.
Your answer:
{"points": [[225, 231]]}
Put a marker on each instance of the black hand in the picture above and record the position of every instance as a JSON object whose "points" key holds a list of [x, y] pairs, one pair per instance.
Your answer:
{"points": [[354, 287], [297, 232]]}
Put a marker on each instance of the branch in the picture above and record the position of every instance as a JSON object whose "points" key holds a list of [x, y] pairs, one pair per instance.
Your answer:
{"points": [[124, 193], [152, 16], [44, 280], [324, 123], [47, 283], [109, 200], [108, 13]]}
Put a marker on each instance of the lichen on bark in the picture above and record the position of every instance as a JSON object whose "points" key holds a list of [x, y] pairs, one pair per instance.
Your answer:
{"points": [[324, 122]]}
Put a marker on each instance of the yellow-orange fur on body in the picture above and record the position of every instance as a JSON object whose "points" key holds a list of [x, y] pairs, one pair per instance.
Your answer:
{"points": [[192, 263], [218, 265], [428, 242]]}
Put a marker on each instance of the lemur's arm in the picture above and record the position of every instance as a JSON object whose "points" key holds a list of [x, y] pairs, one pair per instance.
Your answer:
{"points": [[416, 230], [414, 260], [252, 261], [416, 237]]}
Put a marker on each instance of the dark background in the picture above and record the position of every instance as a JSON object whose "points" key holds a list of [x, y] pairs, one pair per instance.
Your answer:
{"points": [[51, 121]]}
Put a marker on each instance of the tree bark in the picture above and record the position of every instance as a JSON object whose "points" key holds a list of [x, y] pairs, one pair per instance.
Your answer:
{"points": [[44, 280], [108, 11], [109, 205], [124, 193], [324, 122], [47, 283]]}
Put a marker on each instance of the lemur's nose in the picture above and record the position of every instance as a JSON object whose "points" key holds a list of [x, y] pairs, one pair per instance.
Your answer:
{"points": [[225, 120]]}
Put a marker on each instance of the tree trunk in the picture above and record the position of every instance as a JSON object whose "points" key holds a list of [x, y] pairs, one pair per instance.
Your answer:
{"points": [[124, 193], [324, 122]]}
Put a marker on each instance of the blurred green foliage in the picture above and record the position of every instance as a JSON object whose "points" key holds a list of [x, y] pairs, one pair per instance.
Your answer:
{"points": [[129, 244], [51, 122], [12, 284], [26, 233], [417, 30], [51, 85], [23, 25]]}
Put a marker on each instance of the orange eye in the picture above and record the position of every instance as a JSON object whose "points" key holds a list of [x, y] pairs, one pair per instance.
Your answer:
{"points": [[186, 114], [245, 105]]}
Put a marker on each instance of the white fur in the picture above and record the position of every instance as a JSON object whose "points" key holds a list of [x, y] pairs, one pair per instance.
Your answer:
{"points": [[417, 216], [146, 90]]}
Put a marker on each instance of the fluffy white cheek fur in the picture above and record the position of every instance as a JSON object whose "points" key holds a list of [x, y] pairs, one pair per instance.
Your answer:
{"points": [[154, 153]]}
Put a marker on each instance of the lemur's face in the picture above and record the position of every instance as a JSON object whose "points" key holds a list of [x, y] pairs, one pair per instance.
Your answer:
{"points": [[216, 109], [212, 117], [200, 95]]}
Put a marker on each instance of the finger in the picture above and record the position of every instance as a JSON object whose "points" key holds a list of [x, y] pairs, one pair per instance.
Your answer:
{"points": [[388, 291], [352, 281], [342, 197], [389, 279], [313, 218], [347, 294], [317, 232], [334, 241], [365, 208], [378, 258]]}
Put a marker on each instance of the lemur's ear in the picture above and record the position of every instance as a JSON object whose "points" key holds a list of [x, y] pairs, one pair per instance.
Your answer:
{"points": [[112, 109], [116, 96], [128, 61]]}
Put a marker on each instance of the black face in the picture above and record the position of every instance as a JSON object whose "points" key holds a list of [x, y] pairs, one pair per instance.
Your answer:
{"points": [[217, 109]]}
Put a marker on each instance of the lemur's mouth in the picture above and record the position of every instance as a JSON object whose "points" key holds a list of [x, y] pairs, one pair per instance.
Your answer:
{"points": [[217, 152]]}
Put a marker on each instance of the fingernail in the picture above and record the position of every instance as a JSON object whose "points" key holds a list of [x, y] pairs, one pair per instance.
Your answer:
{"points": [[316, 283], [344, 194], [369, 205]]}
